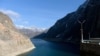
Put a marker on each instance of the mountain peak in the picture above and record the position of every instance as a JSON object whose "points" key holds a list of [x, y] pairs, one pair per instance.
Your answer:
{"points": [[10, 39], [68, 28], [6, 21]]}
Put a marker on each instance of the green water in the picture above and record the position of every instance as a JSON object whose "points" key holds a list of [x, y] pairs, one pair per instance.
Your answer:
{"points": [[45, 48]]}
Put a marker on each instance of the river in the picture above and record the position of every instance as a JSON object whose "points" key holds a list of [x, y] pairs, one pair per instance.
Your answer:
{"points": [[47, 48]]}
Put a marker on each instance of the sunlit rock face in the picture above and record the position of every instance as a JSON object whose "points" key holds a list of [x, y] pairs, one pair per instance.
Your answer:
{"points": [[11, 41], [67, 29]]}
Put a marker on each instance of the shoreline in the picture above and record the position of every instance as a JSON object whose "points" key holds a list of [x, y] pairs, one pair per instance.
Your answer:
{"points": [[90, 49], [20, 52]]}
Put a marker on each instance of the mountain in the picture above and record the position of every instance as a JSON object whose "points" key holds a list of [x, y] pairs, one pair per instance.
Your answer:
{"points": [[12, 41], [67, 29], [31, 31]]}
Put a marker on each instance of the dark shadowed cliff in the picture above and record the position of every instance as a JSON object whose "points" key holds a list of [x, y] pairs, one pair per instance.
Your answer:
{"points": [[67, 29]]}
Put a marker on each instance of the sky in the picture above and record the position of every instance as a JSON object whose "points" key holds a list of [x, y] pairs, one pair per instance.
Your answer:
{"points": [[38, 13]]}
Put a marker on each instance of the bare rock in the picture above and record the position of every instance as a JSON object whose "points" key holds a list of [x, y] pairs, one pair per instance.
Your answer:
{"points": [[11, 41]]}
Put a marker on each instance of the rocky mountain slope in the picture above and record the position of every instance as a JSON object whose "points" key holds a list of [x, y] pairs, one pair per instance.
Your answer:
{"points": [[67, 29], [11, 41]]}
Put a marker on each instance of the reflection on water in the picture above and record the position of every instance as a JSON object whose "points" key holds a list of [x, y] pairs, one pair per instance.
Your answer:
{"points": [[45, 48]]}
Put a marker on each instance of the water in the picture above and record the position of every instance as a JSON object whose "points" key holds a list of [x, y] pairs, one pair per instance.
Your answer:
{"points": [[45, 48]]}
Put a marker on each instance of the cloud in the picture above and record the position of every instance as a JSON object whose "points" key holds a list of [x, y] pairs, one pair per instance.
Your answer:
{"points": [[10, 13], [23, 26], [25, 22], [29, 27], [20, 26]]}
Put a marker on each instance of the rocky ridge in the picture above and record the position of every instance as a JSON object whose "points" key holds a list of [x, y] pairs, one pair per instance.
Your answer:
{"points": [[11, 41], [67, 29]]}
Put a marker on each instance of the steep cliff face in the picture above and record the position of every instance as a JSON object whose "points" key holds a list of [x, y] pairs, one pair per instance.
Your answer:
{"points": [[67, 29], [11, 41]]}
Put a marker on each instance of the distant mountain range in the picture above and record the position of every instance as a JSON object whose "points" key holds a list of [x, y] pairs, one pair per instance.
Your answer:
{"points": [[31, 31]]}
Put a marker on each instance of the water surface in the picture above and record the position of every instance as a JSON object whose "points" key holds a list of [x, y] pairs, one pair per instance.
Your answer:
{"points": [[45, 48]]}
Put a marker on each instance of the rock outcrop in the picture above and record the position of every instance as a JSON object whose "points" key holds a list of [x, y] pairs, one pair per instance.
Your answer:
{"points": [[11, 41], [67, 29], [89, 49]]}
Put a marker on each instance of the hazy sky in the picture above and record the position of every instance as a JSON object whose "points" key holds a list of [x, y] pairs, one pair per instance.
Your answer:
{"points": [[38, 13]]}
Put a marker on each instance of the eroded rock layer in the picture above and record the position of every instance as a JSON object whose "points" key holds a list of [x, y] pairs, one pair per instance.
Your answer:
{"points": [[11, 41]]}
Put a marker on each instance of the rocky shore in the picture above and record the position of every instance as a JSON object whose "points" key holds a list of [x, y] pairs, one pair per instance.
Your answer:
{"points": [[89, 49]]}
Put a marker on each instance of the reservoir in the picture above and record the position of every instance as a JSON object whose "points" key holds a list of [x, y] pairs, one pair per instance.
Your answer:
{"points": [[47, 48]]}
